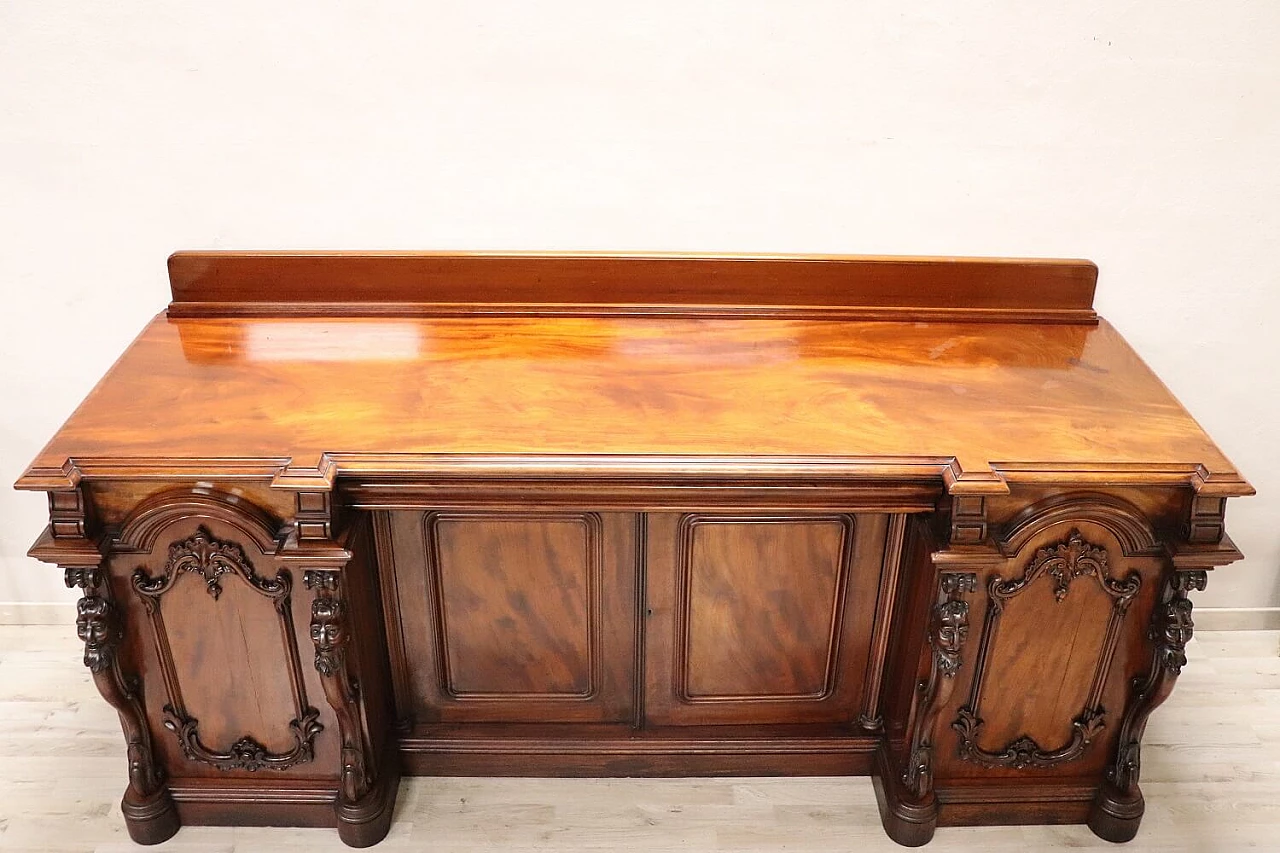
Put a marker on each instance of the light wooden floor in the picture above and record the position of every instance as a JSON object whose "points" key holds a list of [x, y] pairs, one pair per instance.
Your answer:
{"points": [[1211, 773]]}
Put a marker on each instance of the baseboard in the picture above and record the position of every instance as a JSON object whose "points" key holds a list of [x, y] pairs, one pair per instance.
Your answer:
{"points": [[37, 613], [1237, 618]]}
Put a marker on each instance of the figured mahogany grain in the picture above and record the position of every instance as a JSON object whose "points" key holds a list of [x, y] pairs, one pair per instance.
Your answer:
{"points": [[514, 617], [255, 393], [754, 618], [747, 631]]}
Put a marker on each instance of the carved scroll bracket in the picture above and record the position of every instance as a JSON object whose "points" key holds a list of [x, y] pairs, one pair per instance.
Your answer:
{"points": [[948, 630], [246, 753], [1171, 629], [100, 627], [330, 634], [1063, 563]]}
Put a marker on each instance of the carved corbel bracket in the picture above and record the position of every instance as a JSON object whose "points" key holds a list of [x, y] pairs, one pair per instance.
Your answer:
{"points": [[330, 634], [148, 809], [69, 514], [948, 631], [1171, 629], [1118, 806], [69, 543]]}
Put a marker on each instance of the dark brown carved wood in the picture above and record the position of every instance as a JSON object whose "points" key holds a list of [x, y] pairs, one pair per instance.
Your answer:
{"points": [[98, 626], [592, 515], [212, 559], [1062, 563], [948, 631], [148, 808], [331, 635], [1118, 806]]}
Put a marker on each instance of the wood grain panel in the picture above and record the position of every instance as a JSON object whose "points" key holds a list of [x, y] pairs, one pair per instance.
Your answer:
{"points": [[749, 628], [215, 616], [759, 618], [1058, 632], [518, 616], [577, 283], [613, 397], [230, 648], [517, 604], [1051, 661]]}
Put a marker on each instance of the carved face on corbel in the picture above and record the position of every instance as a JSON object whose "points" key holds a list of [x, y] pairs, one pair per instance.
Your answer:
{"points": [[93, 621], [951, 626], [327, 630]]}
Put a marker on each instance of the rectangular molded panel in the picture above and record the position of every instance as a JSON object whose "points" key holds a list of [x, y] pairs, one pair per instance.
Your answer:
{"points": [[757, 618], [514, 616]]}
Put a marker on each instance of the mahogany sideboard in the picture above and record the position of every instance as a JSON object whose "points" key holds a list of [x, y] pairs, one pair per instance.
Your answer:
{"points": [[342, 517]]}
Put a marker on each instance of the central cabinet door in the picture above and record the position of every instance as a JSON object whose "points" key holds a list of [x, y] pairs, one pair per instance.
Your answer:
{"points": [[757, 618], [517, 616]]}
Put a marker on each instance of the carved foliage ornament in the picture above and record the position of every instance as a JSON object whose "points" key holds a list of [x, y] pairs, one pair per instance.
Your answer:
{"points": [[1063, 562], [1025, 752], [246, 753], [212, 559]]}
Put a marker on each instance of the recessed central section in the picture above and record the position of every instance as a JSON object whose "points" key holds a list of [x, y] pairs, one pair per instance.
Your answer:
{"points": [[516, 599], [762, 604]]}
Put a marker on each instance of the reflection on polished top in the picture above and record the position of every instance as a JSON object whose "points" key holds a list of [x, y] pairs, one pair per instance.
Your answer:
{"points": [[312, 365], [727, 391]]}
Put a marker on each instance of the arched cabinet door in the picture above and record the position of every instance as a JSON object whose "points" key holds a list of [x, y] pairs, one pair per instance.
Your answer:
{"points": [[1059, 635], [216, 623]]}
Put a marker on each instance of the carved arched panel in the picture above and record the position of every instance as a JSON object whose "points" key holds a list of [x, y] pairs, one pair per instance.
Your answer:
{"points": [[223, 636], [1056, 615]]}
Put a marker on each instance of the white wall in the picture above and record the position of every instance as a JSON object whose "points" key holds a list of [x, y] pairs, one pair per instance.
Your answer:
{"points": [[1144, 135]]}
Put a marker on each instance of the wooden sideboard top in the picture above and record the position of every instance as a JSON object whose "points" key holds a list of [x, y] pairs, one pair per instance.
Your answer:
{"points": [[301, 367]]}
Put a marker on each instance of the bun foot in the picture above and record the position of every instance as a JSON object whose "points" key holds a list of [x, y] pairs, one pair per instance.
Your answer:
{"points": [[150, 820], [1115, 816], [366, 822], [908, 821]]}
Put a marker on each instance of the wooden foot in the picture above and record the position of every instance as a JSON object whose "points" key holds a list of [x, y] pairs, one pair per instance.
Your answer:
{"points": [[908, 821], [152, 819], [1115, 816], [366, 822]]}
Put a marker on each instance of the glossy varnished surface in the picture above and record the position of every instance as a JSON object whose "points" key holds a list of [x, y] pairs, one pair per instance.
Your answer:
{"points": [[269, 390], [205, 283]]}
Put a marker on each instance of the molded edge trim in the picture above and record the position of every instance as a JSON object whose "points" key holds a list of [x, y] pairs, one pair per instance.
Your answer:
{"points": [[320, 473]]}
